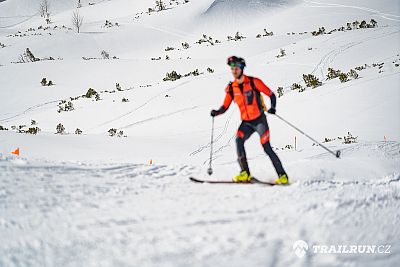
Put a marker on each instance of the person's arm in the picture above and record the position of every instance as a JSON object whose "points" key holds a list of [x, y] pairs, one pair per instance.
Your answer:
{"points": [[260, 85], [227, 102]]}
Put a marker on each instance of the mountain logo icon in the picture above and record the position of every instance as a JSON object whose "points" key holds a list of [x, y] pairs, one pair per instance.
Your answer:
{"points": [[300, 248]]}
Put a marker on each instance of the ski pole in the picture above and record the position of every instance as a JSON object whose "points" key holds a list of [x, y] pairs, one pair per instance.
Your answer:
{"points": [[210, 171], [337, 154]]}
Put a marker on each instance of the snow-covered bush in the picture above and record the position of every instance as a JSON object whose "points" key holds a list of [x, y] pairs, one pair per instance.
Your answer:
{"points": [[363, 67], [114, 132], [185, 45], [27, 57], [109, 24], [160, 5], [118, 87], [25, 129], [92, 93], [350, 139], [353, 74], [60, 129], [33, 130], [280, 91], [320, 31], [266, 33], [193, 73], [237, 37], [44, 82], [311, 80], [207, 39], [282, 53], [343, 77], [296, 86], [332, 74], [105, 54], [65, 106], [172, 76]]}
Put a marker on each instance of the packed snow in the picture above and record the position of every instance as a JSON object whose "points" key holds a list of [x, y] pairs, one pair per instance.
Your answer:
{"points": [[92, 199]]}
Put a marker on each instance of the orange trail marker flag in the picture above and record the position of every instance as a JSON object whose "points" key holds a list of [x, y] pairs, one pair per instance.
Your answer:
{"points": [[16, 152]]}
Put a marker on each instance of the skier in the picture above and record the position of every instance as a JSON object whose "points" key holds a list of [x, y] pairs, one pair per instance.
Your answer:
{"points": [[246, 92]]}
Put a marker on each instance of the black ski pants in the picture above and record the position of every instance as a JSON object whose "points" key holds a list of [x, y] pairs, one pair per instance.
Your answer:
{"points": [[246, 129]]}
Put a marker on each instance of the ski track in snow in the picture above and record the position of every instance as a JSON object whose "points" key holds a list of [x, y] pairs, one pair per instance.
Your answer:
{"points": [[112, 212], [370, 10]]}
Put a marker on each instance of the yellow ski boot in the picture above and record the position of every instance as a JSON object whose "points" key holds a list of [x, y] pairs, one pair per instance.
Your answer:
{"points": [[243, 177], [282, 180]]}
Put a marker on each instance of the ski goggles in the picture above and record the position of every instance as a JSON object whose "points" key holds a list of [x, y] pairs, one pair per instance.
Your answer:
{"points": [[236, 65]]}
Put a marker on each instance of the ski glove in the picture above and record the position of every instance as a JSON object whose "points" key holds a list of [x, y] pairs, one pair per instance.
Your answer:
{"points": [[272, 110], [214, 113], [220, 111]]}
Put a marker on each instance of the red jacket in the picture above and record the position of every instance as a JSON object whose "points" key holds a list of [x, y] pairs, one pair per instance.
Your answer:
{"points": [[247, 97]]}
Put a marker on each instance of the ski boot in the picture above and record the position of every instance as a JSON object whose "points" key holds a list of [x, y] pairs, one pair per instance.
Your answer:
{"points": [[243, 177], [282, 180]]}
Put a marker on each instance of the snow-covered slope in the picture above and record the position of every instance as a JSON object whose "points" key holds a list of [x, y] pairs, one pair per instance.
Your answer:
{"points": [[94, 200]]}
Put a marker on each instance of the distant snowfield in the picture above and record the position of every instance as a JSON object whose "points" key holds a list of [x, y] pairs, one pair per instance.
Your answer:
{"points": [[95, 200]]}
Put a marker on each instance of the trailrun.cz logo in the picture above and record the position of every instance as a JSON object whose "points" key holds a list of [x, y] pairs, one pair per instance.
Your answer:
{"points": [[300, 248]]}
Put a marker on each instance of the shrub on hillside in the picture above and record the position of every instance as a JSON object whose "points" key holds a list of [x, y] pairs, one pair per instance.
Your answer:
{"points": [[311, 80], [282, 53], [33, 130], [296, 86], [185, 45], [350, 139], [353, 74], [105, 54], [92, 93], [44, 82], [236, 37], [332, 74], [27, 57], [60, 129], [118, 87], [280, 91], [172, 76], [343, 77], [64, 105], [114, 132]]}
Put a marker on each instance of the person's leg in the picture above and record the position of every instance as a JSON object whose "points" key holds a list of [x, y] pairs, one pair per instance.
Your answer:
{"points": [[263, 130], [243, 133]]}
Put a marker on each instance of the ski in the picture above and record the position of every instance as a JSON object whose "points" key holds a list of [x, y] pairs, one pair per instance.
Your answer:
{"points": [[253, 181]]}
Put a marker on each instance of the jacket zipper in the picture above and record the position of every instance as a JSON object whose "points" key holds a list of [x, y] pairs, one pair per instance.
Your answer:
{"points": [[241, 86]]}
